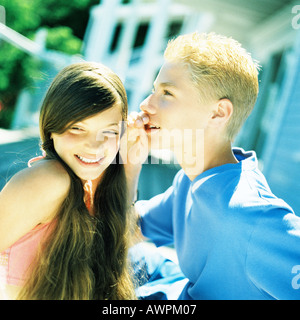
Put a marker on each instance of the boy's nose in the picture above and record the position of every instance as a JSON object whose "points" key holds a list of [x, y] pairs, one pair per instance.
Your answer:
{"points": [[148, 106]]}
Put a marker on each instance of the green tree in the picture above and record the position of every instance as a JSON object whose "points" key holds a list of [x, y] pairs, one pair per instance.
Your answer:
{"points": [[65, 21]]}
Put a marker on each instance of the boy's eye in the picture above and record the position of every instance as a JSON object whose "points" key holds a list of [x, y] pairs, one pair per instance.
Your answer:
{"points": [[167, 93]]}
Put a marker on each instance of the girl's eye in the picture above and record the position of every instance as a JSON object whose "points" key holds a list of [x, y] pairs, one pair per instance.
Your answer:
{"points": [[111, 133], [76, 130]]}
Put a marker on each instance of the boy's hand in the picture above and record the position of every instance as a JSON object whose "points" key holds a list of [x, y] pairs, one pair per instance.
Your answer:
{"points": [[138, 120], [134, 143], [134, 149]]}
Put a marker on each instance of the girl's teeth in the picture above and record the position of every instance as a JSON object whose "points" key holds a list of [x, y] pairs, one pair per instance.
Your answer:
{"points": [[88, 160]]}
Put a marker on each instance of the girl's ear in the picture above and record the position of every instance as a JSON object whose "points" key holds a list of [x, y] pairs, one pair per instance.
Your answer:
{"points": [[222, 113]]}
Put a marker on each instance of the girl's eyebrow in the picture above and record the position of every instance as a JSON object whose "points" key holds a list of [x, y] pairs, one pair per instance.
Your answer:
{"points": [[107, 125], [113, 124]]}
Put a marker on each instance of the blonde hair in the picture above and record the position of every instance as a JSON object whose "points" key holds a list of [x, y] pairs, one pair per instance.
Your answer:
{"points": [[220, 68]]}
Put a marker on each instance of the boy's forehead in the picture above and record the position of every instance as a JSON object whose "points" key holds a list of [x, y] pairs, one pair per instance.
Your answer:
{"points": [[172, 74]]}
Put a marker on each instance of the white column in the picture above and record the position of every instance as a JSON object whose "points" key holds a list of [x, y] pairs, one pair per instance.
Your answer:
{"points": [[151, 54], [127, 38], [101, 30]]}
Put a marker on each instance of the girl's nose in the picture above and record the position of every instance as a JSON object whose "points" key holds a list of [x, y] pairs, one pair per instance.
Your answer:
{"points": [[95, 143]]}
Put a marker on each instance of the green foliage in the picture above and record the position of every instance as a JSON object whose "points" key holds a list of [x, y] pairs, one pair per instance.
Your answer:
{"points": [[65, 21], [22, 15], [62, 39], [5, 118], [16, 71]]}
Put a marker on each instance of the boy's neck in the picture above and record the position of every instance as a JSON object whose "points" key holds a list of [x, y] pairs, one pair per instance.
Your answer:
{"points": [[215, 155]]}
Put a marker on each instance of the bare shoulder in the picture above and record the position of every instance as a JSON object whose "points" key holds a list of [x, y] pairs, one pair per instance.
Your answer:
{"points": [[52, 172], [37, 191], [46, 175], [32, 196]]}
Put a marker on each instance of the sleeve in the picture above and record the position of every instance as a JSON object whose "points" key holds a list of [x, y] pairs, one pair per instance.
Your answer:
{"points": [[273, 257], [157, 216]]}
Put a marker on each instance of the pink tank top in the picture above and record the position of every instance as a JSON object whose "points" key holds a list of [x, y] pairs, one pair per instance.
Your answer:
{"points": [[15, 261]]}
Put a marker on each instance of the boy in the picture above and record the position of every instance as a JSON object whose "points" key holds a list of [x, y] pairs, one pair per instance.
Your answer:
{"points": [[233, 237]]}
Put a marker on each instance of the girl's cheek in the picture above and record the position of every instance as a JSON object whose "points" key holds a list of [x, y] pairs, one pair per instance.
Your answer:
{"points": [[76, 140], [113, 144], [66, 142]]}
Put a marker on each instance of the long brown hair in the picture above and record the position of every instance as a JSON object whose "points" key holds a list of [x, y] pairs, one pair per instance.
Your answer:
{"points": [[84, 257]]}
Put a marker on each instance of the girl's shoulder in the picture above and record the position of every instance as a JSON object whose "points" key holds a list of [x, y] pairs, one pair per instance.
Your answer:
{"points": [[51, 168], [32, 196], [47, 172], [45, 176]]}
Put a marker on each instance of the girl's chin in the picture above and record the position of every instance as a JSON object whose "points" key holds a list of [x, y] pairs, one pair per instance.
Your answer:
{"points": [[90, 172], [89, 177]]}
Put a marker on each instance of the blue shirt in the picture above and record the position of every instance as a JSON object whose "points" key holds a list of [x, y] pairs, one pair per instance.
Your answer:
{"points": [[234, 238]]}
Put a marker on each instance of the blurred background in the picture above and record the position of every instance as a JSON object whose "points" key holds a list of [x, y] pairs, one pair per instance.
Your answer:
{"points": [[39, 37]]}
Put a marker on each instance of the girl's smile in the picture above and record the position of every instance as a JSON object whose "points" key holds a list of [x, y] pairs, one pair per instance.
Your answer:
{"points": [[90, 162], [89, 146]]}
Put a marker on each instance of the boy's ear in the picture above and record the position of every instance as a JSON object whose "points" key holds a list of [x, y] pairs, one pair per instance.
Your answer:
{"points": [[222, 112]]}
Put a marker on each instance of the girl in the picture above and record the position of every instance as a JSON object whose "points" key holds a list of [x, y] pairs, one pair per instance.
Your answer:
{"points": [[63, 221]]}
